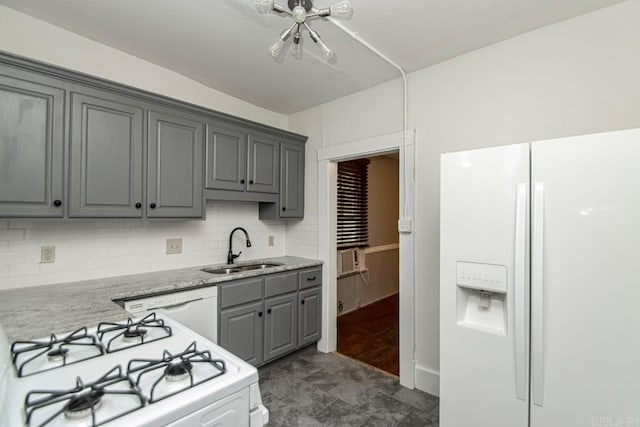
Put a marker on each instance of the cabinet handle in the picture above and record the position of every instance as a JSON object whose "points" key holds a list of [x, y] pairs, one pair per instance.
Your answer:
{"points": [[242, 181], [138, 205], [302, 302], [152, 205], [309, 279], [260, 314], [269, 311], [57, 203], [251, 181], [284, 208]]}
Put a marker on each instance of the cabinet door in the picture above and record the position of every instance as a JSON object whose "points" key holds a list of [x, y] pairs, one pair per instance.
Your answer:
{"points": [[292, 181], [174, 167], [280, 325], [241, 331], [310, 316], [105, 172], [264, 162], [31, 149], [226, 155]]}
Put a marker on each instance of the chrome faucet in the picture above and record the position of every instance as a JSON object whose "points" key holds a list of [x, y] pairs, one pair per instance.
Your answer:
{"points": [[231, 256]]}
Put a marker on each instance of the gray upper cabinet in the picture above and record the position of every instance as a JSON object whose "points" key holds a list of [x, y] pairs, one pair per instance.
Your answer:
{"points": [[290, 203], [226, 154], [73, 145], [174, 167], [105, 175], [264, 164], [292, 181], [280, 325], [31, 149]]}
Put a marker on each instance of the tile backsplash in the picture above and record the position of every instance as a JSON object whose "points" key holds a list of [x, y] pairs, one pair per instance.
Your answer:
{"points": [[89, 249]]}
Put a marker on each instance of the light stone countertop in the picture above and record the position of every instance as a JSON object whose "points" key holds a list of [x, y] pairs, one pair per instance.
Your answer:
{"points": [[36, 312]]}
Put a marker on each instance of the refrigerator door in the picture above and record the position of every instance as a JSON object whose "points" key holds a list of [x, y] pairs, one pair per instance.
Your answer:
{"points": [[484, 287], [585, 330]]}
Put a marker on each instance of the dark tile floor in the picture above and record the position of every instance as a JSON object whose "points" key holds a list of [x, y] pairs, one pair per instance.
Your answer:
{"points": [[309, 388]]}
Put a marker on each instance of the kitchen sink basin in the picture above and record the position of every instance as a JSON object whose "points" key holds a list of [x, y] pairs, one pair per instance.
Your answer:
{"points": [[240, 268]]}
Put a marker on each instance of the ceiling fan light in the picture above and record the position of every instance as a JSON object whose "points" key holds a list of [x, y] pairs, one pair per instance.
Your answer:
{"points": [[341, 8], [326, 52], [276, 48], [296, 47], [263, 5]]}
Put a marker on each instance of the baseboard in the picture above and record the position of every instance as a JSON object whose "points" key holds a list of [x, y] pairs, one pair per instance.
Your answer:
{"points": [[427, 380], [368, 303]]}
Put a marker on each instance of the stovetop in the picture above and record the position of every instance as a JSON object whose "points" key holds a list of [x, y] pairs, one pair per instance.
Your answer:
{"points": [[117, 374]]}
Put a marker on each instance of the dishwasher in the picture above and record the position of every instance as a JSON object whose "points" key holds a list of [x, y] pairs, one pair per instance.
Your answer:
{"points": [[197, 309]]}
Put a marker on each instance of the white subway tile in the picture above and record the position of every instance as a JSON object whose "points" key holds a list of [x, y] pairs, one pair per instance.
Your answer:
{"points": [[23, 269], [11, 235]]}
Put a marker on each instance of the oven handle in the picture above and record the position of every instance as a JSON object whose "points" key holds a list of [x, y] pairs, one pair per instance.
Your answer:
{"points": [[174, 306]]}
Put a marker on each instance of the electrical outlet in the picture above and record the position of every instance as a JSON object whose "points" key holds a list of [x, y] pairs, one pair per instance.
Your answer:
{"points": [[47, 254], [272, 240], [174, 246]]}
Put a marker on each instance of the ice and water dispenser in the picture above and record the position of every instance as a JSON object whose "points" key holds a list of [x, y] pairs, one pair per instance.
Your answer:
{"points": [[481, 297]]}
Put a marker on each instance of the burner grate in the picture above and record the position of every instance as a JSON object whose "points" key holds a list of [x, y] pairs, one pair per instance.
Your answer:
{"points": [[31, 357], [85, 401], [119, 336], [175, 369]]}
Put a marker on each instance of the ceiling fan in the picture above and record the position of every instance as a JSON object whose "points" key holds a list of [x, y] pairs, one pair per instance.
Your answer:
{"points": [[301, 11]]}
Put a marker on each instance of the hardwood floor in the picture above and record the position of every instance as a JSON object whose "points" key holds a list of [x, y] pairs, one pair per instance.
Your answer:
{"points": [[371, 335]]}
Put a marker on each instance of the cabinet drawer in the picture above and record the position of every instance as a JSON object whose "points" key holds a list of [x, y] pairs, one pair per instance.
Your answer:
{"points": [[280, 284], [311, 277], [240, 292]]}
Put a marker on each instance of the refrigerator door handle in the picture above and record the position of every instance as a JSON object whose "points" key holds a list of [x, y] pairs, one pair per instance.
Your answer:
{"points": [[520, 292], [537, 296]]}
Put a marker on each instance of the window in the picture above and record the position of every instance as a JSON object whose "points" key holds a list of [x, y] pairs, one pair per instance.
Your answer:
{"points": [[353, 227]]}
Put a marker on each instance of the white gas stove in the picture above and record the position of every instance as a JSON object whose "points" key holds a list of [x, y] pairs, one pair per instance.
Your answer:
{"points": [[145, 372]]}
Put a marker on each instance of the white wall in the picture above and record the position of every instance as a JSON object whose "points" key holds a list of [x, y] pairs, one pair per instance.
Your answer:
{"points": [[384, 200], [89, 249], [575, 77], [24, 35]]}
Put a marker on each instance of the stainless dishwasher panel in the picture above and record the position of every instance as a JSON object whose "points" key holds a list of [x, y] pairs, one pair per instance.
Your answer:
{"points": [[197, 309]]}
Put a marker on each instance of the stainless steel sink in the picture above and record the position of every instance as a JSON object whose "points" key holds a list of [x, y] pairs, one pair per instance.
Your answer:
{"points": [[240, 268]]}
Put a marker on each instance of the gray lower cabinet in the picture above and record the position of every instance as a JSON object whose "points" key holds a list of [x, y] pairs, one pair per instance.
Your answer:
{"points": [[174, 166], [309, 309], [31, 149], [278, 307], [264, 164], [241, 331], [105, 171], [280, 325]]}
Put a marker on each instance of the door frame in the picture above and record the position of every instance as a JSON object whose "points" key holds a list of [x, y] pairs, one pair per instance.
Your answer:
{"points": [[327, 226]]}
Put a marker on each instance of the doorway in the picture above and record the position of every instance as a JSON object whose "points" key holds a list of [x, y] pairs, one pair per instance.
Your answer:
{"points": [[328, 157], [368, 260]]}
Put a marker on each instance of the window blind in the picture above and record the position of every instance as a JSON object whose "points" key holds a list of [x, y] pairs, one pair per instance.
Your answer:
{"points": [[353, 204]]}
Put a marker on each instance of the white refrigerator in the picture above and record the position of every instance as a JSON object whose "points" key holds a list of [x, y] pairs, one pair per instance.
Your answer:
{"points": [[540, 284]]}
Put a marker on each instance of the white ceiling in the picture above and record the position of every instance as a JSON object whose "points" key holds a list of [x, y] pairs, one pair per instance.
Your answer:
{"points": [[223, 43]]}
